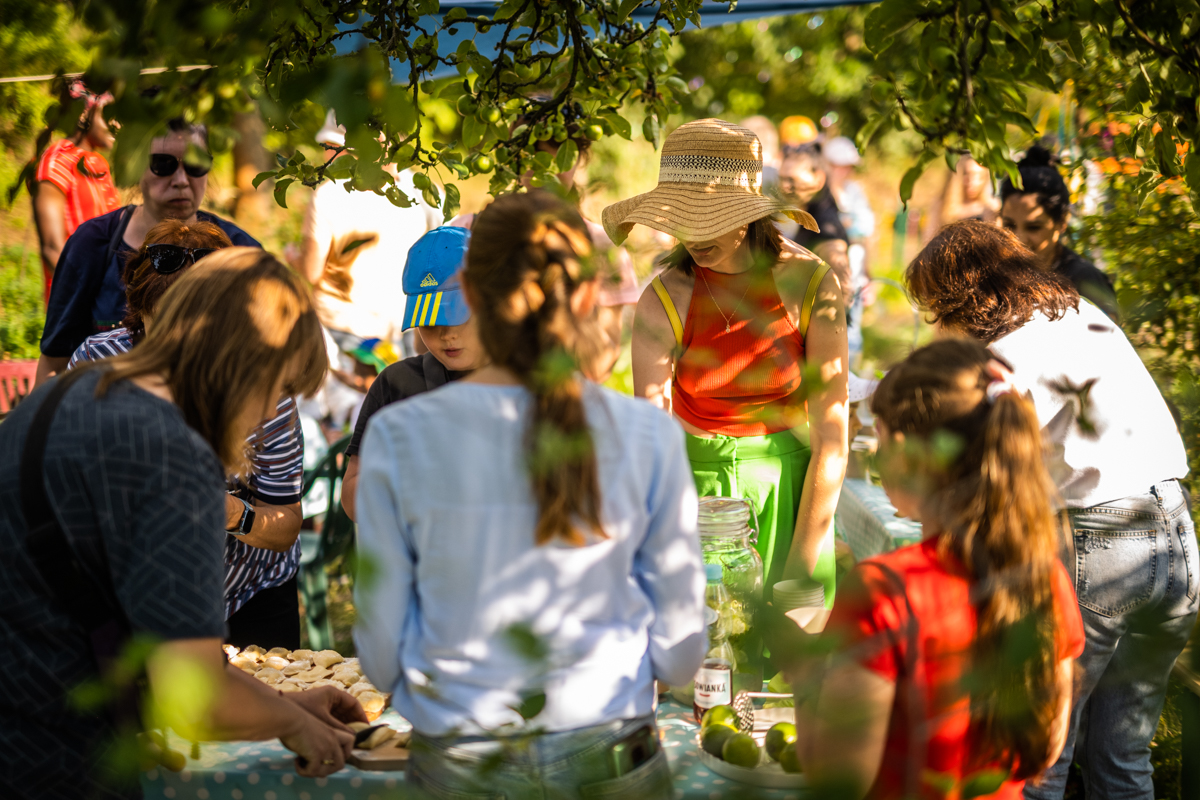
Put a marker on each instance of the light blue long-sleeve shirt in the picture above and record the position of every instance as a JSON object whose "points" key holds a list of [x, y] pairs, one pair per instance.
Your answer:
{"points": [[446, 524]]}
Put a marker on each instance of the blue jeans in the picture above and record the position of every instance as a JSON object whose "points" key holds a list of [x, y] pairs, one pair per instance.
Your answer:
{"points": [[572, 765], [1135, 566]]}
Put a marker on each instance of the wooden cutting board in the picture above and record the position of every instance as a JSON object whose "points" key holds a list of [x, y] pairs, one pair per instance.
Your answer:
{"points": [[385, 758]]}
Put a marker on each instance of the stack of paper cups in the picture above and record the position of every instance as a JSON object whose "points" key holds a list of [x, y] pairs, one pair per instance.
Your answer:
{"points": [[802, 593]]}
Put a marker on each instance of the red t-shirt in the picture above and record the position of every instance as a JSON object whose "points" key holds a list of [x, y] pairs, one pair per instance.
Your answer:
{"points": [[872, 617], [85, 179]]}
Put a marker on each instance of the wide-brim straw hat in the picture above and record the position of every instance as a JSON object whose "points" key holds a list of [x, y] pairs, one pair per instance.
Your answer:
{"points": [[709, 183]]}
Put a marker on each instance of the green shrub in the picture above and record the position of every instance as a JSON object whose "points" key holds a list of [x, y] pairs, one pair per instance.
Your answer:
{"points": [[22, 314]]}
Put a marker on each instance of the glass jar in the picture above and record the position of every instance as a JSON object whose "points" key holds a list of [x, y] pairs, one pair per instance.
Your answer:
{"points": [[726, 538]]}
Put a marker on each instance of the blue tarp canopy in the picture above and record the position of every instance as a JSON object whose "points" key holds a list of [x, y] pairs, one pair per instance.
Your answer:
{"points": [[712, 14]]}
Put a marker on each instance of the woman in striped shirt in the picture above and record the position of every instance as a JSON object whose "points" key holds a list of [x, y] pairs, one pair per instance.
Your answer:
{"points": [[262, 547]]}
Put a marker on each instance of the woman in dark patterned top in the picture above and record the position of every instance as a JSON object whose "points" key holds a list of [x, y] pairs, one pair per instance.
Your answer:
{"points": [[262, 554], [134, 472], [1038, 214]]}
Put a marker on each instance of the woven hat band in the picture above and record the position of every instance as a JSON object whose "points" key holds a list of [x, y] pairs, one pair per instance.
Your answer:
{"points": [[712, 171]]}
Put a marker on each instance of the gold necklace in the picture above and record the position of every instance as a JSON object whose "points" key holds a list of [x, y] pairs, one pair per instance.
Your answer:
{"points": [[729, 319]]}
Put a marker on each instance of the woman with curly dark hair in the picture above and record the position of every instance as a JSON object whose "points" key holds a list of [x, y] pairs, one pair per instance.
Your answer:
{"points": [[1115, 455]]}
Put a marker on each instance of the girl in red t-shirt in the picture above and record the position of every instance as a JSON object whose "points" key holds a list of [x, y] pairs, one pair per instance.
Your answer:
{"points": [[953, 669]]}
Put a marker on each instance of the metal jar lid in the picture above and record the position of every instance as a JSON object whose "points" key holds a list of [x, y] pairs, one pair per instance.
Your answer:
{"points": [[724, 516]]}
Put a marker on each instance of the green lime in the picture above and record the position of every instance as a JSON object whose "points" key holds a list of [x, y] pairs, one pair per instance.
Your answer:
{"points": [[788, 759], [741, 750], [720, 715], [781, 737], [713, 738]]}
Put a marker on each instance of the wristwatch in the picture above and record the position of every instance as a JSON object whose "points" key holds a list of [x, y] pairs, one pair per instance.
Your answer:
{"points": [[247, 521]]}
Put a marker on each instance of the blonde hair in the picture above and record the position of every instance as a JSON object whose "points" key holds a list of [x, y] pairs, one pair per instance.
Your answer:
{"points": [[225, 334]]}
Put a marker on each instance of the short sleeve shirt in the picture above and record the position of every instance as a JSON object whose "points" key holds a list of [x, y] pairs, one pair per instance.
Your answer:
{"points": [[399, 381], [872, 620], [88, 293], [84, 179], [824, 210], [276, 477], [139, 495]]}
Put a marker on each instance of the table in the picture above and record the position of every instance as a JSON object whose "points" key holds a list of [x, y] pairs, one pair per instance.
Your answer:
{"points": [[264, 771], [867, 520]]}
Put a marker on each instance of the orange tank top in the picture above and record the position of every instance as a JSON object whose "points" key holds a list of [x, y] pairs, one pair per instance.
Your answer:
{"points": [[742, 358]]}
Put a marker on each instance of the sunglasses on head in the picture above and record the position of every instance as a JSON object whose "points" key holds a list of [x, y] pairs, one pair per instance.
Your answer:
{"points": [[164, 165], [168, 258]]}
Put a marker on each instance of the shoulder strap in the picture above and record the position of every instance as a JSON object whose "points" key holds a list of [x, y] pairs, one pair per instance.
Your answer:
{"points": [[810, 298], [668, 305], [56, 561]]}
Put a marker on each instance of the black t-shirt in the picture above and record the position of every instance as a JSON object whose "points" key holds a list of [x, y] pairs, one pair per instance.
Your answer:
{"points": [[825, 211], [139, 495], [399, 381], [1089, 281]]}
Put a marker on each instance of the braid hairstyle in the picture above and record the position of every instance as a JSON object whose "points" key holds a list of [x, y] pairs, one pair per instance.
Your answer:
{"points": [[528, 255], [978, 465]]}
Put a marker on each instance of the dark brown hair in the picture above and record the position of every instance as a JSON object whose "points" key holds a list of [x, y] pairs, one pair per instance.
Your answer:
{"points": [[978, 279], [528, 255], [225, 334], [979, 466], [143, 286], [763, 237]]}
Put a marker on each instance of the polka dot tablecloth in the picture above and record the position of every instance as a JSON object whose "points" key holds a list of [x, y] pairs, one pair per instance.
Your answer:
{"points": [[265, 771]]}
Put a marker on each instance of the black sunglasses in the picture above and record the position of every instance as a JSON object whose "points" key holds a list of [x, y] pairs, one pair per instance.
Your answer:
{"points": [[164, 165], [168, 258]]}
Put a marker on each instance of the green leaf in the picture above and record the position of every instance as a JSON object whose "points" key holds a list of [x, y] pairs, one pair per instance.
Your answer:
{"points": [[650, 129], [1164, 152], [281, 191], [567, 154], [1191, 169], [397, 197], [887, 20], [625, 9], [910, 178], [531, 705], [620, 126], [263, 176], [867, 131], [982, 783], [453, 200], [473, 130]]}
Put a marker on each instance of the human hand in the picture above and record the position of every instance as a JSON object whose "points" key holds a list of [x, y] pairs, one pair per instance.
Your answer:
{"points": [[332, 706], [320, 749], [233, 512]]}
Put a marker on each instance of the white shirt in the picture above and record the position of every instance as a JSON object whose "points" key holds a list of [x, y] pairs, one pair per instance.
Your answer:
{"points": [[1135, 443], [373, 304], [446, 521]]}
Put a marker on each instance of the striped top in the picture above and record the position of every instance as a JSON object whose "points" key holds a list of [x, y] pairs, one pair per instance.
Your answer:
{"points": [[276, 478], [83, 177]]}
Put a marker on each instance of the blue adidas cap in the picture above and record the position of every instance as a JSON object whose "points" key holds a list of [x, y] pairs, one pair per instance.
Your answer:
{"points": [[431, 279]]}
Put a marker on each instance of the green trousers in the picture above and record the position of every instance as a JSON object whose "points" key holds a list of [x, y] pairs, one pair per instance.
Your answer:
{"points": [[768, 471]]}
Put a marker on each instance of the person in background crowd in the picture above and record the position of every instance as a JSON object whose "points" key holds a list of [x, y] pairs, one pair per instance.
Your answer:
{"points": [[262, 511], [353, 254], [952, 656], [134, 472], [967, 195], [1038, 214], [768, 137], [735, 325], [88, 295], [73, 181], [804, 183], [526, 489], [437, 309], [858, 218], [1115, 455]]}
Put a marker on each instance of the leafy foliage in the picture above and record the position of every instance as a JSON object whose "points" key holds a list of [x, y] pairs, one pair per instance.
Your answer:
{"points": [[960, 73], [554, 64], [21, 314]]}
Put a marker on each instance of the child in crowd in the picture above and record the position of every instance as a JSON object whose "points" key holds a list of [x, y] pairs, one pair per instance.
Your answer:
{"points": [[954, 656], [437, 309]]}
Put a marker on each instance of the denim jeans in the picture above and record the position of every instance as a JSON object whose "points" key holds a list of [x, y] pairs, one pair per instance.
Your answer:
{"points": [[1135, 566], [572, 765]]}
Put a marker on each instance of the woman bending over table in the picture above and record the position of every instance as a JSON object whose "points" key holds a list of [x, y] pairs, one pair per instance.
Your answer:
{"points": [[533, 542], [132, 477], [953, 656], [262, 507], [749, 329]]}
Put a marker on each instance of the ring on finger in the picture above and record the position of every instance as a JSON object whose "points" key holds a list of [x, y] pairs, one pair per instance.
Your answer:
{"points": [[329, 762]]}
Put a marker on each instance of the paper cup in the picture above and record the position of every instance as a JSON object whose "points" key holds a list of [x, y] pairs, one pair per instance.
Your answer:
{"points": [[802, 593]]}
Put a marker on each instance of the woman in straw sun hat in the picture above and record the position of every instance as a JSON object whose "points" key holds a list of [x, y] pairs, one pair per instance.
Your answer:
{"points": [[749, 330]]}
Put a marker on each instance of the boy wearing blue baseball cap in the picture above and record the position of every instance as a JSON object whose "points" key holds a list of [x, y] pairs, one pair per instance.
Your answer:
{"points": [[437, 309]]}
